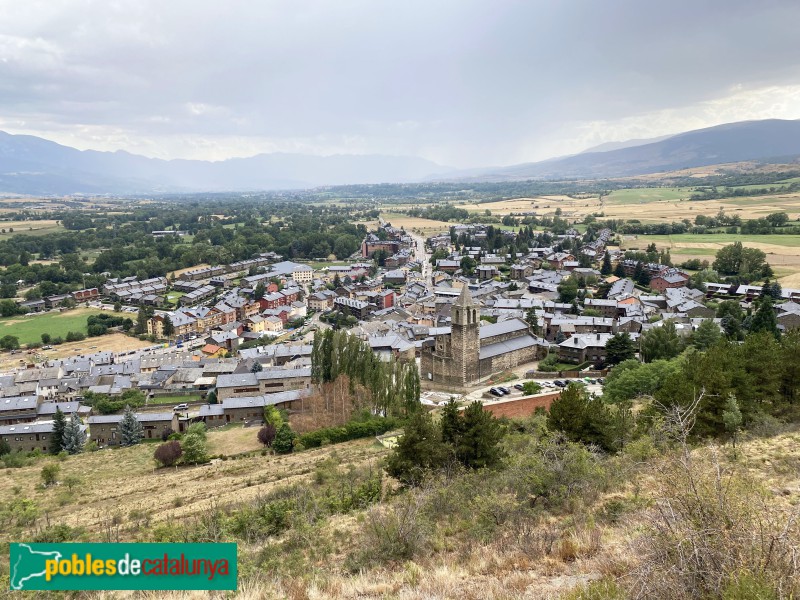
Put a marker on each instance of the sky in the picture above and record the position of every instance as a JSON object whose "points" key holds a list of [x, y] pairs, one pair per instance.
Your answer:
{"points": [[464, 83]]}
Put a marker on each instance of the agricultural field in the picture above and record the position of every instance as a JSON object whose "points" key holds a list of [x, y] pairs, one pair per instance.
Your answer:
{"points": [[28, 228], [783, 251], [180, 272], [647, 195], [415, 223]]}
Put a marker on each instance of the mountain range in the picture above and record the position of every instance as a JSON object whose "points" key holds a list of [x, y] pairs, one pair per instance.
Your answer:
{"points": [[32, 165]]}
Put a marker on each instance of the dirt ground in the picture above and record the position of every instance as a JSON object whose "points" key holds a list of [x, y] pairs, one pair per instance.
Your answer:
{"points": [[113, 342], [179, 272]]}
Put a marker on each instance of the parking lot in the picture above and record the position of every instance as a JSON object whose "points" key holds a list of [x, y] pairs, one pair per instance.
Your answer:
{"points": [[548, 385]]}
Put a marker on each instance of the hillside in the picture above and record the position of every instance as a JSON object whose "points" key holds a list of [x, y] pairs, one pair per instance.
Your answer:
{"points": [[32, 165], [770, 141], [324, 524]]}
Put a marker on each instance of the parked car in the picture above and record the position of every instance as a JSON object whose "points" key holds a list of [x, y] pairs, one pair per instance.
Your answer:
{"points": [[496, 392], [505, 390], [519, 386], [560, 383], [180, 407]]}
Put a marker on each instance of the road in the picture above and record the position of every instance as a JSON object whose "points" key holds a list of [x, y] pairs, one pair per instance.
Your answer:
{"points": [[422, 255]]}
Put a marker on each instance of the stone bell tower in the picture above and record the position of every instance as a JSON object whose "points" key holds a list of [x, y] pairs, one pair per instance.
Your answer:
{"points": [[465, 338]]}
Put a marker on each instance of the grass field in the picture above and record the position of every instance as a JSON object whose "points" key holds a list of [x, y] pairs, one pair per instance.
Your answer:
{"points": [[28, 228], [783, 251], [646, 195], [172, 400], [29, 328]]}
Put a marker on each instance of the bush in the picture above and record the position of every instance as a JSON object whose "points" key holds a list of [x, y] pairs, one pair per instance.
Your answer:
{"points": [[50, 473], [398, 531], [350, 431], [165, 435], [284, 440], [168, 453], [266, 435], [75, 336]]}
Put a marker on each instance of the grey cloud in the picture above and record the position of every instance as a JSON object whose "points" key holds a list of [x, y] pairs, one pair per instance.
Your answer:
{"points": [[463, 82]]}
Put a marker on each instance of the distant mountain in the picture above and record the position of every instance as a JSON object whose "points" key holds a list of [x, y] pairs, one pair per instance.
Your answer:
{"points": [[32, 165], [608, 146], [768, 141]]}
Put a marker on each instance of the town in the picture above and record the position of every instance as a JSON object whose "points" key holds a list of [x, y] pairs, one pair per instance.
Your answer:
{"points": [[472, 307]]}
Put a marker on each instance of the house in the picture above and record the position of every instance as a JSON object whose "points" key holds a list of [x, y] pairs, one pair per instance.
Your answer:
{"points": [[18, 409], [247, 409], [27, 437], [104, 429], [396, 277], [671, 278], [321, 301], [262, 382], [350, 306], [586, 347]]}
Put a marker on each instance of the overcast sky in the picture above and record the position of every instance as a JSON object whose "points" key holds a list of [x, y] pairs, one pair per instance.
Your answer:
{"points": [[461, 82]]}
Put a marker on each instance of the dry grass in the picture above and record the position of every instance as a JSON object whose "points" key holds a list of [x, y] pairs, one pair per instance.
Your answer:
{"points": [[124, 481], [415, 223], [180, 272]]}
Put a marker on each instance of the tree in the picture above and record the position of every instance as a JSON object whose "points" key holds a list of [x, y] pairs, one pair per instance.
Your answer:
{"points": [[256, 368], [194, 444], [531, 387], [57, 437], [141, 321], [660, 342], [117, 306], [9, 342], [451, 425], [582, 418], [5, 448], [211, 397], [272, 416], [74, 436], [168, 453], [468, 265], [738, 260], [130, 429], [419, 450], [50, 474], [619, 270], [46, 338], [266, 435], [532, 320], [479, 443], [707, 335], [732, 417], [605, 268], [619, 347], [167, 326], [764, 317], [260, 290], [284, 440], [568, 290]]}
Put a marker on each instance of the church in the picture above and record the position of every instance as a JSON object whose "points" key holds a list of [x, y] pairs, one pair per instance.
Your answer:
{"points": [[467, 353]]}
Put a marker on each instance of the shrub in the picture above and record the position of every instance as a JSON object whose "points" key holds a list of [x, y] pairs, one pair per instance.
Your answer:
{"points": [[168, 453], [50, 473], [398, 531], [350, 431], [266, 435], [284, 440]]}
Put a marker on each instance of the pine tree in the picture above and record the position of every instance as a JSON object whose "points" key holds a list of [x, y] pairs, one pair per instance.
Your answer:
{"points": [[130, 429], [74, 437], [764, 317], [419, 450], [619, 348], [605, 269], [479, 445], [167, 326], [57, 437], [582, 418], [451, 424], [619, 270]]}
